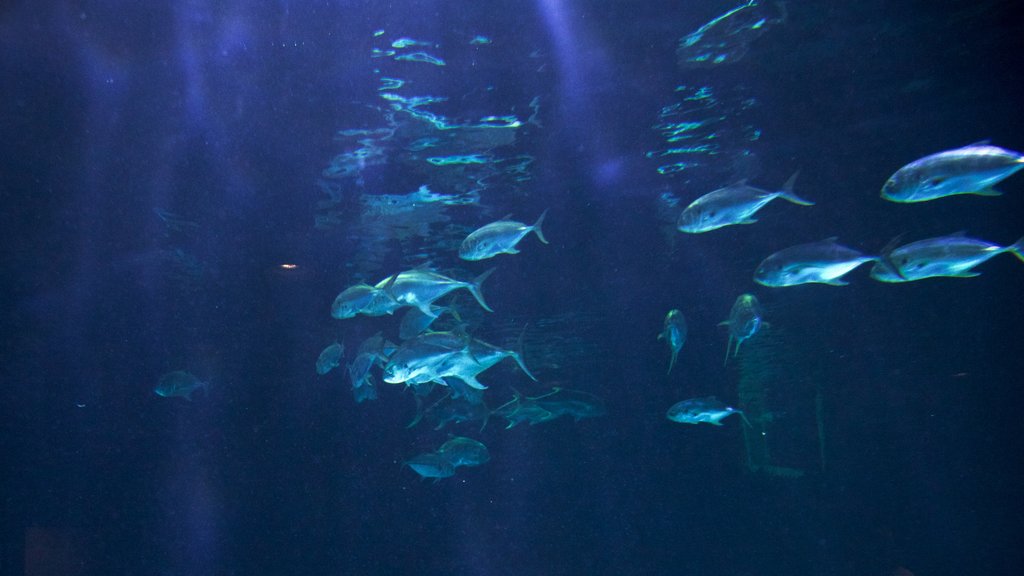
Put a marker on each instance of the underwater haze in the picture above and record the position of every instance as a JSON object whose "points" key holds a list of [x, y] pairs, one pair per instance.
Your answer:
{"points": [[551, 287]]}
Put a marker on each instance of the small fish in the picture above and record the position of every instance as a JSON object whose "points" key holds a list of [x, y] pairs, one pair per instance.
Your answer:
{"points": [[973, 169], [179, 383], [823, 262], [364, 299], [735, 204], [430, 465], [745, 319], [697, 410], [499, 237], [952, 256], [674, 334], [462, 451], [330, 358]]}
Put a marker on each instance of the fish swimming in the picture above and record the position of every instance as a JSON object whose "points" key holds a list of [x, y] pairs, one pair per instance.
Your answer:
{"points": [[735, 204], [745, 319], [329, 358], [952, 256], [823, 262], [973, 169], [499, 237], [462, 451], [365, 299], [430, 465], [674, 334], [179, 383], [420, 287], [697, 410]]}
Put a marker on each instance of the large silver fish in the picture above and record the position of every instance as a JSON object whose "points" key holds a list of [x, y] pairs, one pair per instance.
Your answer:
{"points": [[973, 169], [499, 237], [745, 319], [420, 287], [674, 334], [709, 410], [823, 262], [735, 204], [952, 256]]}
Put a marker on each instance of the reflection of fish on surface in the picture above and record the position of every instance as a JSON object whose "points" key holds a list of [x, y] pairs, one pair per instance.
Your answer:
{"points": [[973, 169], [329, 358], [727, 38], [824, 262], [745, 319], [179, 384], [499, 237], [708, 410], [952, 256], [674, 334]]}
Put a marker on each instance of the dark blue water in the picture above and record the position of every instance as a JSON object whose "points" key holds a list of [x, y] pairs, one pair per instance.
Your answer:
{"points": [[161, 161]]}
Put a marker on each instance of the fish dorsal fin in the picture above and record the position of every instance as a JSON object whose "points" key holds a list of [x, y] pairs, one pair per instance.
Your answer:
{"points": [[985, 142], [507, 216], [831, 239], [959, 234]]}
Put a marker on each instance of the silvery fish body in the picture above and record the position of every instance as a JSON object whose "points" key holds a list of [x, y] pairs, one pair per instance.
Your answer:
{"points": [[419, 360], [674, 334], [430, 465], [952, 256], [420, 287], [823, 262], [363, 299], [701, 410], [329, 358], [973, 169], [499, 237], [179, 383], [462, 451], [735, 204], [745, 319]]}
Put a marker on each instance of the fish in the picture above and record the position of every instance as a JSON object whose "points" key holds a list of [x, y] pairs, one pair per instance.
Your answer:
{"points": [[330, 358], [697, 410], [523, 409], [952, 256], [431, 465], [734, 204], [973, 169], [745, 319], [434, 356], [462, 451], [499, 237], [448, 408], [364, 299], [420, 287], [674, 334], [565, 402], [823, 262], [179, 383]]}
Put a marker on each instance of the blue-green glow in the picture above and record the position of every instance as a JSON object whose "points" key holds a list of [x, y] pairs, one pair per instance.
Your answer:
{"points": [[480, 40], [421, 57], [390, 84], [407, 42], [466, 159]]}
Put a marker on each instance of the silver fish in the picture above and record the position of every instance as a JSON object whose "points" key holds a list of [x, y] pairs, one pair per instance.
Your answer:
{"points": [[973, 169], [421, 287], [952, 256], [179, 383], [499, 237], [364, 299], [745, 319], [462, 451], [697, 410], [430, 465], [823, 262], [329, 358], [674, 334], [735, 204]]}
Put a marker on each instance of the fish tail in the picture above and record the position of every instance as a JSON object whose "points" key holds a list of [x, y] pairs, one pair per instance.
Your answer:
{"points": [[536, 227], [672, 362], [517, 355], [728, 347], [787, 192], [1017, 249], [475, 288]]}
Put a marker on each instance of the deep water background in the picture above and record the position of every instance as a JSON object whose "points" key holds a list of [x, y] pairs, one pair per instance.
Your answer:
{"points": [[227, 114]]}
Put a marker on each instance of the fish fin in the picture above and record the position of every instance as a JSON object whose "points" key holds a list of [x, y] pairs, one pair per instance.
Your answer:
{"points": [[672, 362], [787, 192], [736, 350], [723, 323], [965, 274], [744, 416], [985, 142], [836, 282], [728, 346], [472, 382], [419, 413], [986, 192], [748, 221], [475, 289], [661, 336], [512, 251], [1017, 249], [536, 227], [714, 423], [885, 257]]}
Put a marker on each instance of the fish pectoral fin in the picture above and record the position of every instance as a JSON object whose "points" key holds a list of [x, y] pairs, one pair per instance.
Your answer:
{"points": [[836, 282], [966, 274], [748, 221]]}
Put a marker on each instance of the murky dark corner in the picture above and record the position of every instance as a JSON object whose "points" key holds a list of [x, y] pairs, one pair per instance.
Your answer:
{"points": [[546, 287]]}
